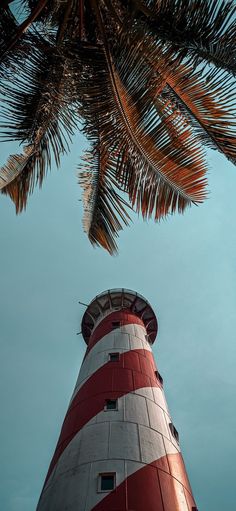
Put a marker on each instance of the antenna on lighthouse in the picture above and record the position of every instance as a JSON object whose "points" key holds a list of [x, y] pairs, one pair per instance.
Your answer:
{"points": [[85, 304]]}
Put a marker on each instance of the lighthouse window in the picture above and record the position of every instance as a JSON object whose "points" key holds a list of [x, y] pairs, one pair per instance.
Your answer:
{"points": [[115, 324], [159, 377], [111, 404], [113, 357], [106, 482], [174, 432]]}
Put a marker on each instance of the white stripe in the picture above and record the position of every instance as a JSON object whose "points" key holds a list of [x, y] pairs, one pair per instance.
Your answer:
{"points": [[118, 340], [136, 432]]}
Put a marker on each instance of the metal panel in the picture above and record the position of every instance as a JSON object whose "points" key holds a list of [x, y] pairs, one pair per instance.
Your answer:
{"points": [[139, 344], [70, 457], [121, 339], [140, 331], [66, 494], [136, 409], [124, 441], [159, 398], [157, 419], [146, 392], [171, 447], [152, 445], [172, 492], [94, 442], [128, 329]]}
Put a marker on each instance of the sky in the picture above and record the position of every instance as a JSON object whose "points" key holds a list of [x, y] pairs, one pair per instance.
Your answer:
{"points": [[185, 266]]}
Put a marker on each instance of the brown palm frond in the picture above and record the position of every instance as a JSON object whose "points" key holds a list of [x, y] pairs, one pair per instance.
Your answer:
{"points": [[104, 209], [152, 82], [142, 150], [164, 167], [208, 102], [205, 97], [19, 175], [159, 133], [206, 29], [42, 117]]}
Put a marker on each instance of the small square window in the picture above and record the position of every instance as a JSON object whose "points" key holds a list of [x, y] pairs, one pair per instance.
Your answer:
{"points": [[106, 482], [115, 324], [174, 432], [159, 377], [111, 404], [113, 357]]}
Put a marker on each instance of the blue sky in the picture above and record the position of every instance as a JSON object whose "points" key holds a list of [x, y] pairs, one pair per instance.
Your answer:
{"points": [[185, 266]]}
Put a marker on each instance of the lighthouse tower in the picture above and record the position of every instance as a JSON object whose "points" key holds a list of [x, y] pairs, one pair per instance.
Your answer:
{"points": [[118, 449]]}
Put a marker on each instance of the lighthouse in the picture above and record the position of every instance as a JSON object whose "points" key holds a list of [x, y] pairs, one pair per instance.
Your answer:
{"points": [[118, 448]]}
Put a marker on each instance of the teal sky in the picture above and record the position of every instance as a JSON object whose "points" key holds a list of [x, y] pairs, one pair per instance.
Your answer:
{"points": [[185, 266]]}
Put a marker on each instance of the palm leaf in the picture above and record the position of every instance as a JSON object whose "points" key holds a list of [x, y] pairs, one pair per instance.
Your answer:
{"points": [[204, 29], [8, 31], [42, 115], [18, 176], [164, 168], [142, 151], [205, 97], [163, 144], [207, 101], [153, 82], [104, 208]]}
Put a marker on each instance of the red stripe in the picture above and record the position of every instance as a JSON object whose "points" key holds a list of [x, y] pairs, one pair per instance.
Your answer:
{"points": [[105, 327], [149, 488], [135, 369], [178, 470]]}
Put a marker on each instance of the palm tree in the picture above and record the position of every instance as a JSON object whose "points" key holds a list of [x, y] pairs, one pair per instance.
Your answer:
{"points": [[150, 83]]}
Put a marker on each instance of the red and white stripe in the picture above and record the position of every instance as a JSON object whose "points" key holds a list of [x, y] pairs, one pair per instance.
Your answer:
{"points": [[135, 442]]}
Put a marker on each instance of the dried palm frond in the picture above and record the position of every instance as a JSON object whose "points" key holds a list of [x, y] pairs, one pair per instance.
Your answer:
{"points": [[104, 209], [206, 29], [207, 101], [160, 167], [205, 97], [152, 81], [18, 177], [40, 106]]}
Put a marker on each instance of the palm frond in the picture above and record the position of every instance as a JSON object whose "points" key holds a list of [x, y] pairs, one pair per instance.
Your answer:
{"points": [[104, 208], [142, 151], [164, 165], [8, 30], [205, 29], [42, 117], [205, 97], [208, 102], [19, 175], [160, 129], [152, 81]]}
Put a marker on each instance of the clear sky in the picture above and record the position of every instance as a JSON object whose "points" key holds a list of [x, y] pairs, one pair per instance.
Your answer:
{"points": [[185, 266]]}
